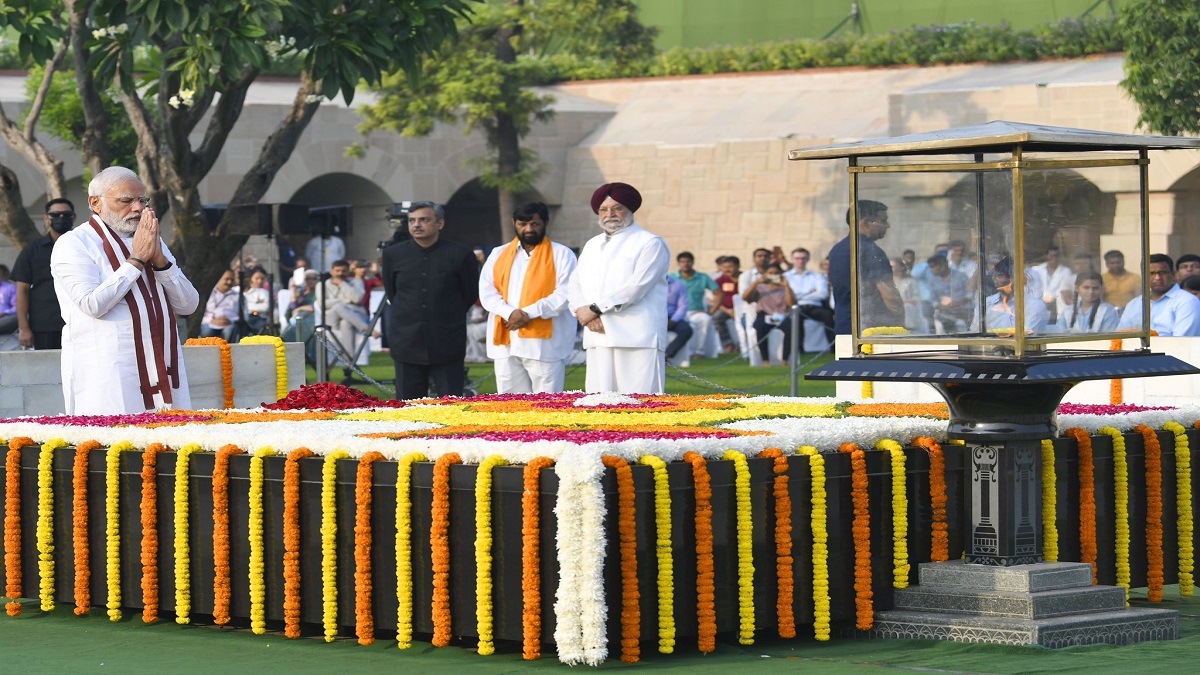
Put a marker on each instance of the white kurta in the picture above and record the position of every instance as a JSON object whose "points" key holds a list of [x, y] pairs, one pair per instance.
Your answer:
{"points": [[99, 358], [554, 307], [625, 276]]}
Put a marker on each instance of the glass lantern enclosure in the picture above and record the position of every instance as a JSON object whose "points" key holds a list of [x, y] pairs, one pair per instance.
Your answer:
{"points": [[998, 239]]}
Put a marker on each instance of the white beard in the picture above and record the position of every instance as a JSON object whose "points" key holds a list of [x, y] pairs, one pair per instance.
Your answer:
{"points": [[614, 227], [125, 227]]}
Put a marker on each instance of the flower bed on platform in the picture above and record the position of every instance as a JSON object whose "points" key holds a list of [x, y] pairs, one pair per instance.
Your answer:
{"points": [[581, 439]]}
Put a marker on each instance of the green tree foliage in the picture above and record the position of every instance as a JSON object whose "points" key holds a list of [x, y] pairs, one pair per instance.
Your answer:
{"points": [[484, 78], [1162, 63], [63, 118]]}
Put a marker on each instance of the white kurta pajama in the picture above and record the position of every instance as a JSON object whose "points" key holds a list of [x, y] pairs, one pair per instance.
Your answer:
{"points": [[528, 365], [100, 358], [625, 276]]}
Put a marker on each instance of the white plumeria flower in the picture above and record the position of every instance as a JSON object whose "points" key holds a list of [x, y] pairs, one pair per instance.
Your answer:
{"points": [[173, 102], [99, 33], [121, 29]]}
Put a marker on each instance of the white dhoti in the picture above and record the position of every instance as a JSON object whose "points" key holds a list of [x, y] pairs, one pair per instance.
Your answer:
{"points": [[517, 375], [626, 370]]}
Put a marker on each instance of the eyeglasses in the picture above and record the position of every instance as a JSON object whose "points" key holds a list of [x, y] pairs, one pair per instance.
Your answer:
{"points": [[126, 200], [67, 215]]}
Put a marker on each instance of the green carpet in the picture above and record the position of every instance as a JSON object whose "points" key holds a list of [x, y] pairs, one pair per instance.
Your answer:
{"points": [[61, 642]]}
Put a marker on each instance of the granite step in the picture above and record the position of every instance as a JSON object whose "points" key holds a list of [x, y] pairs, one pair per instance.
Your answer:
{"points": [[1016, 579], [1123, 627], [1040, 605]]}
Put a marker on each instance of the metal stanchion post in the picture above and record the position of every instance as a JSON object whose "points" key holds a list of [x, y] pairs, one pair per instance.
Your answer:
{"points": [[794, 356], [322, 355]]}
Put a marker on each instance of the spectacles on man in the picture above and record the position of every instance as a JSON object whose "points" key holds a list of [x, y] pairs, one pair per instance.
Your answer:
{"points": [[126, 200], [65, 215]]}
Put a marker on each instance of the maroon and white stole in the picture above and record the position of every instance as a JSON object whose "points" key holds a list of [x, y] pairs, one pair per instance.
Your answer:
{"points": [[153, 319]]}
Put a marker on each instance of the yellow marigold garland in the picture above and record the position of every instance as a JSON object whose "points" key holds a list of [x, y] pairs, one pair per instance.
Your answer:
{"points": [[820, 551], [868, 387], [364, 586], [784, 583], [1120, 506], [258, 583], [329, 529], [483, 553], [404, 581], [1184, 523], [183, 549], [112, 514], [281, 369], [149, 513], [1049, 503], [45, 522], [900, 564], [745, 546], [663, 553], [220, 496], [81, 541], [863, 592], [226, 363], [13, 580]]}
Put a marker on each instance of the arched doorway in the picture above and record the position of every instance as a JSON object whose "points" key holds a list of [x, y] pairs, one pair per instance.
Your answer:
{"points": [[473, 215], [369, 204]]}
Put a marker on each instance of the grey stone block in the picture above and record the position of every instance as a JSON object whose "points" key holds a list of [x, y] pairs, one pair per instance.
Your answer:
{"points": [[44, 399], [1016, 579], [1123, 627], [22, 368], [1044, 604]]}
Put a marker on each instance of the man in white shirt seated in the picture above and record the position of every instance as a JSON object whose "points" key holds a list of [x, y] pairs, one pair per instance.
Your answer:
{"points": [[1173, 311], [221, 310], [811, 290]]}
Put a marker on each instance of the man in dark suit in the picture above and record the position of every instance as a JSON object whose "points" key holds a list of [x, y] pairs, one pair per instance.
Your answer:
{"points": [[431, 283]]}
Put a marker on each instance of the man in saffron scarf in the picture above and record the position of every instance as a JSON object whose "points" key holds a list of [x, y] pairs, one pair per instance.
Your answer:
{"points": [[120, 290], [619, 295], [523, 285]]}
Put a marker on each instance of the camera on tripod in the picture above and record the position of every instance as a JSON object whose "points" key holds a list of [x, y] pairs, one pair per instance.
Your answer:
{"points": [[397, 217]]}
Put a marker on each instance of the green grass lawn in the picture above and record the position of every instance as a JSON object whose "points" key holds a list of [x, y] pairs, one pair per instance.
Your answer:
{"points": [[707, 376]]}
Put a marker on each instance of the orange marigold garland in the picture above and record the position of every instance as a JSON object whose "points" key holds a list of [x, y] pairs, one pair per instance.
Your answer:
{"points": [[79, 528], [784, 581], [631, 616], [149, 512], [1087, 499], [364, 611], [531, 558], [221, 572], [226, 363], [939, 550], [439, 542], [1115, 393], [705, 589], [861, 529], [1154, 513], [12, 524], [291, 541]]}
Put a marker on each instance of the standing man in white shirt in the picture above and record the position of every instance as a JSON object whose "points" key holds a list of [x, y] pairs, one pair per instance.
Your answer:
{"points": [[523, 285], [619, 295], [323, 250], [120, 290], [1173, 311]]}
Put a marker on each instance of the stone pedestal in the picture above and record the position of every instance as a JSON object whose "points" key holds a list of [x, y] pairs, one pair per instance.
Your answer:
{"points": [[1049, 604]]}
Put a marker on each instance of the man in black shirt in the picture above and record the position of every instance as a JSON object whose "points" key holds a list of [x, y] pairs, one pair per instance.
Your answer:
{"points": [[880, 303], [39, 319], [431, 283]]}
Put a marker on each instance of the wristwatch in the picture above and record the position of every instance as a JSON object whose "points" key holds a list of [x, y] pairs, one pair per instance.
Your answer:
{"points": [[595, 309]]}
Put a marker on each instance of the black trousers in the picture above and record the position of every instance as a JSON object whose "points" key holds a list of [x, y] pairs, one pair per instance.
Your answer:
{"points": [[412, 379]]}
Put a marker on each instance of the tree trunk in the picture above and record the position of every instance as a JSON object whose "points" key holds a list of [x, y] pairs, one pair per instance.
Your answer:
{"points": [[506, 137], [93, 144], [14, 220]]}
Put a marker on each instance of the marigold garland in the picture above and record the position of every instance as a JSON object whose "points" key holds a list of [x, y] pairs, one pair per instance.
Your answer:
{"points": [[257, 574], [1184, 524], [291, 541], [1087, 499], [820, 553], [745, 546], [1120, 506], [45, 522], [183, 549], [900, 564], [329, 529], [81, 541], [12, 524], [631, 616], [483, 553], [1115, 392], [439, 542], [784, 581], [149, 513], [404, 581], [939, 549], [1154, 512], [112, 529], [1049, 503], [663, 553], [705, 590], [226, 363], [364, 611], [281, 369], [220, 495], [861, 528]]}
